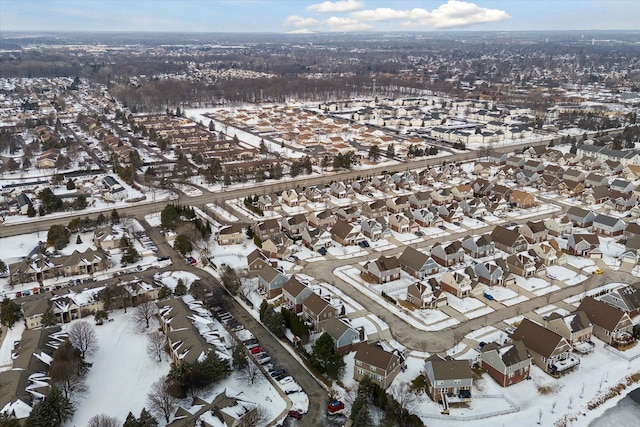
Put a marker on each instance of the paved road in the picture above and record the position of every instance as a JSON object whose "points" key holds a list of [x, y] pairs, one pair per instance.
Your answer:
{"points": [[143, 208]]}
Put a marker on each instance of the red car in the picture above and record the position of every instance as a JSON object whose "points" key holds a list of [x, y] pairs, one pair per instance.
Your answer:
{"points": [[335, 406], [256, 350], [295, 414]]}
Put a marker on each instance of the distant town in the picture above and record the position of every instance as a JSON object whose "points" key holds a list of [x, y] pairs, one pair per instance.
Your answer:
{"points": [[391, 229]]}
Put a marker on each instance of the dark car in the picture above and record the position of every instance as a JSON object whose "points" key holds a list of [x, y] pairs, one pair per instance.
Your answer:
{"points": [[419, 233], [442, 227], [295, 414], [322, 251], [277, 372], [456, 223]]}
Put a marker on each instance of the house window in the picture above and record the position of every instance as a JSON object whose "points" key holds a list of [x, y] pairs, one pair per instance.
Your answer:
{"points": [[373, 368], [510, 374], [457, 382], [358, 362]]}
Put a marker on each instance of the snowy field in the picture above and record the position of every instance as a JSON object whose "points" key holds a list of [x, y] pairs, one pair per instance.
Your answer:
{"points": [[121, 363]]}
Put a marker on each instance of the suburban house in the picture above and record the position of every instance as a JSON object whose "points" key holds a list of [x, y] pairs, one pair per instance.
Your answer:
{"points": [[293, 226], [267, 229], [626, 298], [371, 228], [317, 309], [610, 324], [316, 238], [559, 225], [294, 293], [447, 255], [322, 219], [384, 269], [419, 200], [184, 341], [534, 231], [522, 199], [606, 225], [549, 350], [271, 281], [379, 365], [277, 247], [417, 263], [108, 237], [398, 204], [290, 197], [399, 223], [256, 261], [230, 235], [348, 214], [478, 247], [40, 267], [585, 245], [632, 230], [448, 380], [575, 327], [509, 241], [489, 273], [549, 252], [426, 218], [521, 264], [424, 296], [344, 336], [346, 234], [375, 209], [456, 283], [581, 217], [66, 305], [508, 364]]}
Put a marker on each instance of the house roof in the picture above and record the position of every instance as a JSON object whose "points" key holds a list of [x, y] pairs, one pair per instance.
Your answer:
{"points": [[413, 258], [336, 327], [385, 263], [375, 356], [316, 304], [505, 236], [536, 226], [341, 228], [592, 239], [606, 220], [450, 369], [537, 338], [293, 287], [600, 313]]}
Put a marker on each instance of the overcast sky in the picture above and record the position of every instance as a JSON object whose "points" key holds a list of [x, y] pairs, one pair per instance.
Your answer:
{"points": [[283, 16]]}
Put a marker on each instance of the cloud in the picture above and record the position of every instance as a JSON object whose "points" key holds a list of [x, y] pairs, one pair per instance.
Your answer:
{"points": [[299, 21], [336, 23], [336, 6], [454, 13]]}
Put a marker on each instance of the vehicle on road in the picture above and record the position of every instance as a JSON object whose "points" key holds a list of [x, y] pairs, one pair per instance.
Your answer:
{"points": [[598, 271]]}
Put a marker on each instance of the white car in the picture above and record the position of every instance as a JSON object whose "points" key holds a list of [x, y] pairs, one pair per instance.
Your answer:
{"points": [[510, 330], [551, 276]]}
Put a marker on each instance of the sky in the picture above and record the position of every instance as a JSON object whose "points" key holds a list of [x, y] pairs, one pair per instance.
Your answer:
{"points": [[303, 16]]}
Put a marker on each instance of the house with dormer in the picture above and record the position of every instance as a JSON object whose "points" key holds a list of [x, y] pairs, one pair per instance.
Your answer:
{"points": [[267, 229], [375, 209], [348, 213], [574, 327], [489, 273], [419, 200], [448, 255], [521, 264], [321, 219], [417, 263], [384, 269], [426, 217], [338, 189], [534, 231], [585, 245], [456, 283], [423, 295], [626, 298], [316, 238], [346, 234], [509, 241], [507, 364], [559, 225], [478, 247], [290, 198], [400, 223], [294, 225], [398, 204], [379, 365]]}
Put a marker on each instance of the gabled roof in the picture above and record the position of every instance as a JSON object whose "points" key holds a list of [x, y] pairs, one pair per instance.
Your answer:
{"points": [[341, 228], [600, 313], [385, 263], [449, 369], [505, 236], [413, 258], [375, 356], [293, 287], [316, 304], [537, 338]]}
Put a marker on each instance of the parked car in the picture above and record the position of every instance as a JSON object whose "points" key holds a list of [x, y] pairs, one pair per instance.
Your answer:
{"points": [[277, 372], [510, 330], [442, 227], [551, 276], [456, 223], [364, 244], [335, 406], [295, 414], [489, 296], [419, 233], [322, 251], [598, 271], [256, 350], [263, 358]]}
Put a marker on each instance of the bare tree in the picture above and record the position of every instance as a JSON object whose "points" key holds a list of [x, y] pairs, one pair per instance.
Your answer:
{"points": [[251, 374], [403, 394], [143, 312], [83, 337], [103, 420], [160, 401], [156, 343], [67, 370], [259, 418]]}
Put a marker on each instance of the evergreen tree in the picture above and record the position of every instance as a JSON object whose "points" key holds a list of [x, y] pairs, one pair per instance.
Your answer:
{"points": [[374, 152], [115, 217], [182, 244], [54, 410], [48, 318], [31, 212], [181, 288], [58, 236], [362, 418], [391, 151], [325, 357], [239, 358], [164, 292], [9, 312]]}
